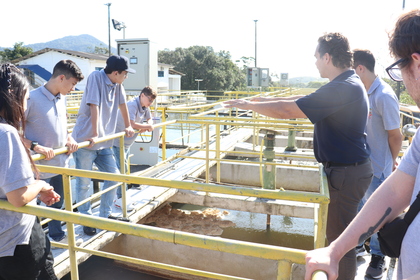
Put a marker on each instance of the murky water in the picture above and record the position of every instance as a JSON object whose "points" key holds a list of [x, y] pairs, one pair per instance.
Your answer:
{"points": [[97, 268], [252, 227]]}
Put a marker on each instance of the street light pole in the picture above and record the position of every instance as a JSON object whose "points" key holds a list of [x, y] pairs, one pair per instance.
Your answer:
{"points": [[255, 42], [198, 80], [109, 27]]}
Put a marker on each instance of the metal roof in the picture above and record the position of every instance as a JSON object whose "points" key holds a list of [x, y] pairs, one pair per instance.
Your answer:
{"points": [[45, 74], [68, 52]]}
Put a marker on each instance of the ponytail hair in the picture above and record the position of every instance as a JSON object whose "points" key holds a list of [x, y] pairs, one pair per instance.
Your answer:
{"points": [[13, 88]]}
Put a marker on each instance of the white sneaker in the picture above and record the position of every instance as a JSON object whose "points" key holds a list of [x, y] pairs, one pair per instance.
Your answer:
{"points": [[118, 203]]}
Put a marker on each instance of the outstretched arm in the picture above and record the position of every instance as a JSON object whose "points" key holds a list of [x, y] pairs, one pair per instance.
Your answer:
{"points": [[280, 109]]}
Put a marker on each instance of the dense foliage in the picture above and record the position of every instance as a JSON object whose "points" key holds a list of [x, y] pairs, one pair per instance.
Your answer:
{"points": [[18, 51], [217, 70]]}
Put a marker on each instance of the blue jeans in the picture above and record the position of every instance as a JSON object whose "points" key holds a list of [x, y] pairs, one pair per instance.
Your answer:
{"points": [[54, 227], [374, 243], [105, 161], [117, 160]]}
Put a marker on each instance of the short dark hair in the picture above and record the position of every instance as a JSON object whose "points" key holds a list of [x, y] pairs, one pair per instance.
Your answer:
{"points": [[69, 69], [404, 40], [149, 91], [365, 58], [338, 47]]}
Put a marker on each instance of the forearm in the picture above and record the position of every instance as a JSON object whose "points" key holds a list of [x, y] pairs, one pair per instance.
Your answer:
{"points": [[395, 192], [24, 195], [282, 109], [94, 112], [395, 141], [124, 113]]}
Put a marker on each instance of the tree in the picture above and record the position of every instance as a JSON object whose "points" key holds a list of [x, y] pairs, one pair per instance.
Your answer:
{"points": [[18, 51], [197, 62], [401, 91], [316, 84]]}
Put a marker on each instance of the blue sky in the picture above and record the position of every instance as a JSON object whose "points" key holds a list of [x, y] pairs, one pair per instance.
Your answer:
{"points": [[287, 31]]}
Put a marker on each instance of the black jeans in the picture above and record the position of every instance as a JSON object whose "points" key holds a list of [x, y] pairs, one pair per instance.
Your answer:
{"points": [[347, 186], [30, 262]]}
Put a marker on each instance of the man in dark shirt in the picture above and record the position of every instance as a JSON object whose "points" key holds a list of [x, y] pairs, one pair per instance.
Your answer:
{"points": [[339, 112]]}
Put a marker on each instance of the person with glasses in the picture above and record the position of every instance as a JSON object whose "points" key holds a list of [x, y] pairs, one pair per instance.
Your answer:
{"points": [[141, 120], [103, 97], [384, 138], [400, 189], [339, 111]]}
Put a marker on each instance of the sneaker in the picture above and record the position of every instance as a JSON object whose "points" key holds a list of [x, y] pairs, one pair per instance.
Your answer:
{"points": [[121, 219], [65, 240], [360, 251], [376, 267], [89, 230], [118, 204]]}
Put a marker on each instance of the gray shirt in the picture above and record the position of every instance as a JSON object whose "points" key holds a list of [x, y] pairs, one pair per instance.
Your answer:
{"points": [[46, 123], [384, 114], [16, 172], [409, 260], [107, 96], [138, 114]]}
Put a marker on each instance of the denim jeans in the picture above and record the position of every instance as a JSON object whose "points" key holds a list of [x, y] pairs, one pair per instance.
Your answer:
{"points": [[54, 227], [117, 160], [31, 261], [374, 243], [105, 161]]}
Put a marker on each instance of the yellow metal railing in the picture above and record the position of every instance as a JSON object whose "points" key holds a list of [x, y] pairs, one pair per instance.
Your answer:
{"points": [[284, 256]]}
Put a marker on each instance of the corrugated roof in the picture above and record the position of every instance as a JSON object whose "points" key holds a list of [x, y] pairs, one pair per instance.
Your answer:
{"points": [[68, 52]]}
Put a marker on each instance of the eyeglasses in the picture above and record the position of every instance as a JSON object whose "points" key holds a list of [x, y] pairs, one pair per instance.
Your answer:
{"points": [[394, 71], [149, 98]]}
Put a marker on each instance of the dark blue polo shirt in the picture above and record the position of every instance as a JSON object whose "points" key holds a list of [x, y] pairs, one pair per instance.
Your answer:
{"points": [[339, 113]]}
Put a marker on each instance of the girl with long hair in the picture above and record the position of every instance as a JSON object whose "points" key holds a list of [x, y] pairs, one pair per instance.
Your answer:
{"points": [[24, 248]]}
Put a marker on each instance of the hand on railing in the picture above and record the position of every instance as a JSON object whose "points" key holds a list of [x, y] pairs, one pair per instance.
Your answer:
{"points": [[319, 275], [322, 262]]}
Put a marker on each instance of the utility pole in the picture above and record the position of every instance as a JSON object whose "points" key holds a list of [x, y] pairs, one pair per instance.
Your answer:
{"points": [[109, 27], [255, 42]]}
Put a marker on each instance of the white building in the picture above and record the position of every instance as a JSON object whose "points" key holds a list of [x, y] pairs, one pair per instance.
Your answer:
{"points": [[39, 65]]}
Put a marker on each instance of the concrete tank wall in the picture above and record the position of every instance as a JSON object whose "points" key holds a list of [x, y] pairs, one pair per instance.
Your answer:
{"points": [[195, 258], [289, 178]]}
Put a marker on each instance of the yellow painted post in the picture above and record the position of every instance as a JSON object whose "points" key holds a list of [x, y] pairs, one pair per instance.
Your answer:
{"points": [[321, 212], [68, 201], [284, 270], [124, 185], [164, 134], [218, 138], [207, 153]]}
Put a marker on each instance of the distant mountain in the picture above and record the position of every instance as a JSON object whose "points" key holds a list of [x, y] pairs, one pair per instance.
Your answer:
{"points": [[81, 43], [305, 80]]}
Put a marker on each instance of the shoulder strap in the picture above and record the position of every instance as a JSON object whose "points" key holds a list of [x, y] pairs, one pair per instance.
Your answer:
{"points": [[413, 210]]}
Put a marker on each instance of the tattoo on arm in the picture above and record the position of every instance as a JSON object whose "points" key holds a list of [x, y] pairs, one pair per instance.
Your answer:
{"points": [[371, 230]]}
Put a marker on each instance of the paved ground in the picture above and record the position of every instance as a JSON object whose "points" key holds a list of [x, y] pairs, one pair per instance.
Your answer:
{"points": [[363, 263]]}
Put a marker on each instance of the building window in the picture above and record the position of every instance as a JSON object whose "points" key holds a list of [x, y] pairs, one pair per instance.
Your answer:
{"points": [[161, 74]]}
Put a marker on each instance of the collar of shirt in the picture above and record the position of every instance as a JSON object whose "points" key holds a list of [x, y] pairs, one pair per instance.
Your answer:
{"points": [[49, 95], [374, 86]]}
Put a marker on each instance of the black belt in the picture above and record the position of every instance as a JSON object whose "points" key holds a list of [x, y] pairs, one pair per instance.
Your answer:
{"points": [[330, 163]]}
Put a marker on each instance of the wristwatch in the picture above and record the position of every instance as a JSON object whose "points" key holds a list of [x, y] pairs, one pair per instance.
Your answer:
{"points": [[33, 144]]}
